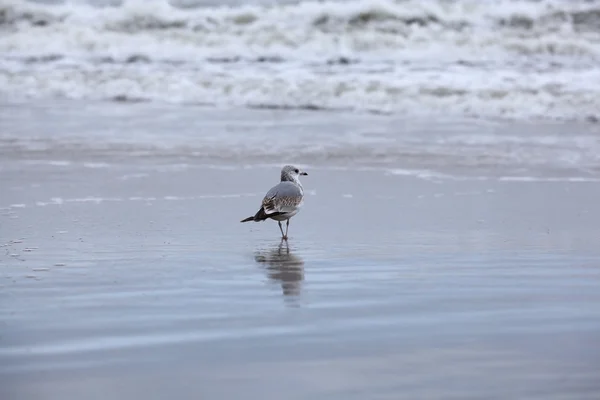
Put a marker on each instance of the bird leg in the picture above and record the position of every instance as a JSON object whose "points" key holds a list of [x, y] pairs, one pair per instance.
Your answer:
{"points": [[287, 226], [281, 229]]}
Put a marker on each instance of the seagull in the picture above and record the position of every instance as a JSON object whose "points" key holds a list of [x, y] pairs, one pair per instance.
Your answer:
{"points": [[283, 201]]}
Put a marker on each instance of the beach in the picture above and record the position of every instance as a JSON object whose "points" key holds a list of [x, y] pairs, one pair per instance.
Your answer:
{"points": [[132, 277], [447, 247]]}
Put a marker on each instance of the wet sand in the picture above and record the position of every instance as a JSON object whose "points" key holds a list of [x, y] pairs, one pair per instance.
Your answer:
{"points": [[138, 281]]}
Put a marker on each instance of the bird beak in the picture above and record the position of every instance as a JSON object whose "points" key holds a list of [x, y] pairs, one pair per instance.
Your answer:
{"points": [[303, 173]]}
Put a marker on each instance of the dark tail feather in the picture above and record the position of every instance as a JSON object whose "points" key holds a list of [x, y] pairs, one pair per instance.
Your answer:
{"points": [[259, 216]]}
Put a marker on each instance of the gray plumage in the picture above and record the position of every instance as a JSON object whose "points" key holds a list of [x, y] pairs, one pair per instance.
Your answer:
{"points": [[283, 200], [283, 197]]}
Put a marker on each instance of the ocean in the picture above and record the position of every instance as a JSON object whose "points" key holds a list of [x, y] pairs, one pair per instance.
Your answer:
{"points": [[507, 88], [515, 59], [447, 246]]}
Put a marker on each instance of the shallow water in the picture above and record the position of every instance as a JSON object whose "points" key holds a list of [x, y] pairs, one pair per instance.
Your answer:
{"points": [[448, 244], [451, 289], [97, 134]]}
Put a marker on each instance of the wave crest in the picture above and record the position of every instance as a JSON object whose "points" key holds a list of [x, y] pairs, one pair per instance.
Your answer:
{"points": [[507, 57]]}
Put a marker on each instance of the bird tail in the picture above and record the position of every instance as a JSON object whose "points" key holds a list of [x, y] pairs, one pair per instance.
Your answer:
{"points": [[259, 216]]}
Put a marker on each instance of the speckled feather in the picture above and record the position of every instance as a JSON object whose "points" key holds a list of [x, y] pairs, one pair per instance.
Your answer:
{"points": [[284, 197]]}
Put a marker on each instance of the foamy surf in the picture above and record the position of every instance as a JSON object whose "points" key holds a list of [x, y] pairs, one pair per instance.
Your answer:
{"points": [[511, 59], [103, 137]]}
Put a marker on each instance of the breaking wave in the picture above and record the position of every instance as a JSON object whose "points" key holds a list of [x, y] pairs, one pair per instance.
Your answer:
{"points": [[507, 58]]}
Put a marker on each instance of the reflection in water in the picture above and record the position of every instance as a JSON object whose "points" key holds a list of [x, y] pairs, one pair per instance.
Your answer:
{"points": [[283, 267]]}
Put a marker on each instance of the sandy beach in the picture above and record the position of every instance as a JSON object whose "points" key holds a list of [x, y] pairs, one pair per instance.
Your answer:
{"points": [[448, 243], [138, 281]]}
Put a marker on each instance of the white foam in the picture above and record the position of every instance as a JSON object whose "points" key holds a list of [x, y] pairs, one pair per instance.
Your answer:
{"points": [[306, 30], [99, 200], [95, 165], [422, 174], [567, 94], [54, 163], [508, 58], [133, 176], [548, 179]]}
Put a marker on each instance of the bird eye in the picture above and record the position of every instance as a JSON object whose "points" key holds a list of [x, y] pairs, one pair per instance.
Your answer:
{"points": [[296, 171]]}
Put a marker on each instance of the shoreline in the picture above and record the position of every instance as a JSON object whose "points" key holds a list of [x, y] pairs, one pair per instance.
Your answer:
{"points": [[96, 135], [137, 277]]}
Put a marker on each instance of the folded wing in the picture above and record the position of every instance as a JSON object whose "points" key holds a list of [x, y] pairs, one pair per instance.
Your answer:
{"points": [[282, 198]]}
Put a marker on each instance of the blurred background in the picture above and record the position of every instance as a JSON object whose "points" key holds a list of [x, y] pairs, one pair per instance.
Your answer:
{"points": [[447, 248], [492, 58], [489, 88]]}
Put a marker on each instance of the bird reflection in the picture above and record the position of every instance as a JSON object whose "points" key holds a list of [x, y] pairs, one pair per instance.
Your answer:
{"points": [[283, 267]]}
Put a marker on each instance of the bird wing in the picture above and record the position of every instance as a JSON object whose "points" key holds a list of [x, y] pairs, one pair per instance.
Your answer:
{"points": [[284, 197]]}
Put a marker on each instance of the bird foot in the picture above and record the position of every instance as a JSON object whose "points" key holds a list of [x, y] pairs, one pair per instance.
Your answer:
{"points": [[284, 237]]}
